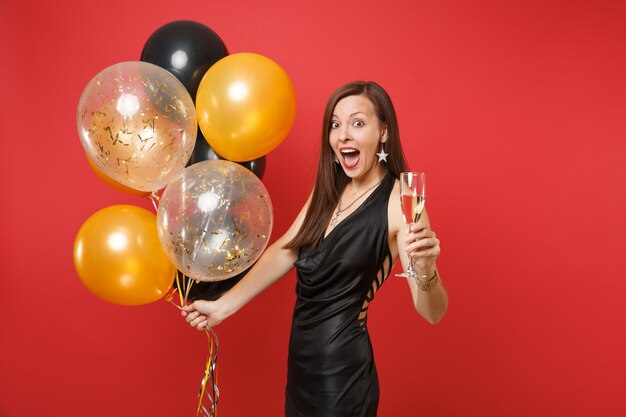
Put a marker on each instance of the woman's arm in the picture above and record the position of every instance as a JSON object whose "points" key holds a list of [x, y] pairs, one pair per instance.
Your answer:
{"points": [[275, 262], [429, 295]]}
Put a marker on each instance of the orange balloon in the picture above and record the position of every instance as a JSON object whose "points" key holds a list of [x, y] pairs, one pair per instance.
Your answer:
{"points": [[119, 258], [111, 182], [245, 106]]}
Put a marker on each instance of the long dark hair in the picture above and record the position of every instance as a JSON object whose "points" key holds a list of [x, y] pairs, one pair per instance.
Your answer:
{"points": [[331, 179]]}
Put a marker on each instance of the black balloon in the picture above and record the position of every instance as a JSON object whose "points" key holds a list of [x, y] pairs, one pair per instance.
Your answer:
{"points": [[186, 49], [212, 291], [202, 151]]}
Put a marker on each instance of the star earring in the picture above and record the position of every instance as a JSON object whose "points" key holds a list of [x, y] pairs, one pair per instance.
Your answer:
{"points": [[382, 156]]}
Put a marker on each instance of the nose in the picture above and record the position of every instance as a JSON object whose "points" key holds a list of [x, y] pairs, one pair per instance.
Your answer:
{"points": [[343, 133]]}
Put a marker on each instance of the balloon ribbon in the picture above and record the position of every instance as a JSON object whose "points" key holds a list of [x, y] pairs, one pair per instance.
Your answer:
{"points": [[154, 197], [209, 393]]}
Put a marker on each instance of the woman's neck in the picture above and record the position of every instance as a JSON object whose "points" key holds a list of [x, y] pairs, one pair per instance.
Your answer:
{"points": [[372, 178]]}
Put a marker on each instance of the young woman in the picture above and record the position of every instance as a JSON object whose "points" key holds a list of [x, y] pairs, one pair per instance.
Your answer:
{"points": [[343, 244]]}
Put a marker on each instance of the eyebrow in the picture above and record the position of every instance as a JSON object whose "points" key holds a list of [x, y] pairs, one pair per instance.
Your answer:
{"points": [[352, 114]]}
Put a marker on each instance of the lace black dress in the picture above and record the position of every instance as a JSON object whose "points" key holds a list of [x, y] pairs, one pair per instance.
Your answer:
{"points": [[331, 370]]}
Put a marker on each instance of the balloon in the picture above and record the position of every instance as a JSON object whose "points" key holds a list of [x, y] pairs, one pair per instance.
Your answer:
{"points": [[137, 124], [203, 152], [212, 291], [246, 106], [112, 183], [186, 49], [118, 256], [215, 220]]}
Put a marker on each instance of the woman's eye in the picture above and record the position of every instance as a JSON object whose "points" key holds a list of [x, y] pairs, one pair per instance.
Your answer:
{"points": [[334, 125], [358, 123]]}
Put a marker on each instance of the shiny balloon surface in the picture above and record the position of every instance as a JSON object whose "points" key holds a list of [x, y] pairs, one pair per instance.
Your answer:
{"points": [[137, 123], [118, 256], [203, 152], [114, 184], [185, 48], [215, 220], [246, 106]]}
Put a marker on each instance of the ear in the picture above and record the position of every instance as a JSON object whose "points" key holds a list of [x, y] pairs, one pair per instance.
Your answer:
{"points": [[383, 134]]}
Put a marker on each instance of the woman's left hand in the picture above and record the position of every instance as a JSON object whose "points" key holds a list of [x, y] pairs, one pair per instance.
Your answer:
{"points": [[422, 246]]}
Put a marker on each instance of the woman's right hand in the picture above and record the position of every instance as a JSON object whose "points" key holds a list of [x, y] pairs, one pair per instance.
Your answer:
{"points": [[201, 313]]}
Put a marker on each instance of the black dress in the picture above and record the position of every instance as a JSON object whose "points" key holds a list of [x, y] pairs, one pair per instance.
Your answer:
{"points": [[331, 370]]}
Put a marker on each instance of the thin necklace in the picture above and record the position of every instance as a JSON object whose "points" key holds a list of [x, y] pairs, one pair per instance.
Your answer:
{"points": [[333, 221]]}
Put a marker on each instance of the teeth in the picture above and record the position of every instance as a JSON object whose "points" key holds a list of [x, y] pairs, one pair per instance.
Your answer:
{"points": [[349, 151]]}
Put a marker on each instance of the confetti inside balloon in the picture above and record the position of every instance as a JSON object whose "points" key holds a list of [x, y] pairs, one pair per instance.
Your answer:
{"points": [[137, 123], [215, 220]]}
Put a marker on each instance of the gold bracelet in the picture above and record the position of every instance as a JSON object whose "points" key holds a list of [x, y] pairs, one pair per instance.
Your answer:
{"points": [[429, 284]]}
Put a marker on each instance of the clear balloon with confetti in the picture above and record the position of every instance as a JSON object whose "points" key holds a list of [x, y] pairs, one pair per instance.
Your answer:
{"points": [[215, 220], [138, 124]]}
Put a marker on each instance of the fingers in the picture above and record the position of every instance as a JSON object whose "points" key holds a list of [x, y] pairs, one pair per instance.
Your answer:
{"points": [[416, 237], [198, 313], [415, 227], [418, 227], [186, 310], [424, 248], [419, 233], [196, 319], [191, 316], [189, 307], [422, 242]]}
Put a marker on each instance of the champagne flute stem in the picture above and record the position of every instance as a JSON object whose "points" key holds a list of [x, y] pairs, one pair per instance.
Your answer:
{"points": [[410, 268]]}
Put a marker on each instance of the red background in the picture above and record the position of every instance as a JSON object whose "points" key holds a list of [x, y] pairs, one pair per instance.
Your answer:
{"points": [[517, 112]]}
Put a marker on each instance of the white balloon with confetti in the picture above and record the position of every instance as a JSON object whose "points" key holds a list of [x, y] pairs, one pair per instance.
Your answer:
{"points": [[138, 125], [215, 220]]}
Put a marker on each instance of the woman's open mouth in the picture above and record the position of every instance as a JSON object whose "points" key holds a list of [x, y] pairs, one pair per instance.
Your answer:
{"points": [[350, 157]]}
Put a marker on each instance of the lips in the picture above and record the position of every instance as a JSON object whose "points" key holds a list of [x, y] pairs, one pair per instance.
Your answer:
{"points": [[350, 157]]}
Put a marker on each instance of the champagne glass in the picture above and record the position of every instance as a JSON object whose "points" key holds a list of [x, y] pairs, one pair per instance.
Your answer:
{"points": [[412, 195]]}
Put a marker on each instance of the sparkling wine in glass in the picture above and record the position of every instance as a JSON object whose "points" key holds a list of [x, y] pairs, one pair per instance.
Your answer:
{"points": [[413, 198]]}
